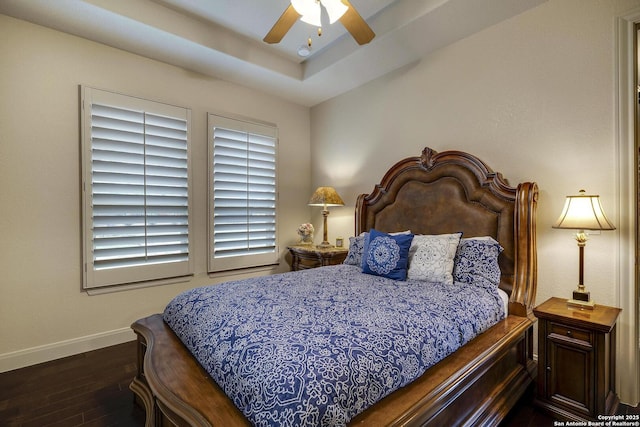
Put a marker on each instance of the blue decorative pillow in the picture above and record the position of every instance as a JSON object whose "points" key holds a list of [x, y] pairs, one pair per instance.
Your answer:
{"points": [[356, 248], [477, 261], [386, 255]]}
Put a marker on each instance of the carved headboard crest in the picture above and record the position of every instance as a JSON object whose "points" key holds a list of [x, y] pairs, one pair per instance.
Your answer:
{"points": [[427, 158], [486, 176]]}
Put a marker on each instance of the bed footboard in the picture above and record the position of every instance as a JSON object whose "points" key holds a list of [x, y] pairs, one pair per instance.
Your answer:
{"points": [[173, 388], [477, 385]]}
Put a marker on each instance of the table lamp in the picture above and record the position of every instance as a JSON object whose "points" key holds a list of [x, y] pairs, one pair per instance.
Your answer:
{"points": [[582, 212], [325, 197]]}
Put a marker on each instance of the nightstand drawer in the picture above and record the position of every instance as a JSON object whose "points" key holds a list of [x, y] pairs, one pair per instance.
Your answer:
{"points": [[571, 332], [305, 262]]}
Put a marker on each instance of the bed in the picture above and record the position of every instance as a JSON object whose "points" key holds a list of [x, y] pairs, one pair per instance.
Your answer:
{"points": [[434, 194]]}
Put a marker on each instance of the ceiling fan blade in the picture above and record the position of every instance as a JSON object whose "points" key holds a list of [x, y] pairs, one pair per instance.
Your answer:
{"points": [[282, 25], [357, 26]]}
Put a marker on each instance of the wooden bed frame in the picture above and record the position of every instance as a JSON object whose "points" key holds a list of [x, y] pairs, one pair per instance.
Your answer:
{"points": [[477, 385]]}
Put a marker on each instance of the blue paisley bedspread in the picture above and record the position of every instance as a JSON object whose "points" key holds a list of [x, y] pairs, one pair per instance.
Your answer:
{"points": [[317, 347]]}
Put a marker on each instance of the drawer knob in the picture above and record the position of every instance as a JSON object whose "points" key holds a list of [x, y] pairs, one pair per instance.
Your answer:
{"points": [[549, 368], [569, 333]]}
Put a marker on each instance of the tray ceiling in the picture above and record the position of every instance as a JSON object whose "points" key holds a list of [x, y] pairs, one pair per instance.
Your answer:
{"points": [[223, 38]]}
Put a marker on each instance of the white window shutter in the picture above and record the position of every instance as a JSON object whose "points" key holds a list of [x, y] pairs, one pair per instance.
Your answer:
{"points": [[243, 194], [136, 161]]}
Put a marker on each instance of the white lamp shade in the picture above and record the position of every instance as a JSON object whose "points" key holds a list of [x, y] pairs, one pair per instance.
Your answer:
{"points": [[303, 7], [335, 9], [310, 11], [312, 14], [583, 212]]}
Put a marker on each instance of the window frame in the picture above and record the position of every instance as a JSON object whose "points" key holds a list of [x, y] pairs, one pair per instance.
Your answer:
{"points": [[148, 273], [245, 261]]}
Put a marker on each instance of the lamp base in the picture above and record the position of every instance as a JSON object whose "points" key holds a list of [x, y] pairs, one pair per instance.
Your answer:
{"points": [[589, 305], [581, 295]]}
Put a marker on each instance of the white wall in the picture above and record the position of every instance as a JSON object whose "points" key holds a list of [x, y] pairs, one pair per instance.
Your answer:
{"points": [[533, 96], [43, 312]]}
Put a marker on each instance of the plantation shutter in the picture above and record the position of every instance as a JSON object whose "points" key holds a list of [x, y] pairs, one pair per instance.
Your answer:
{"points": [[136, 189], [243, 194]]}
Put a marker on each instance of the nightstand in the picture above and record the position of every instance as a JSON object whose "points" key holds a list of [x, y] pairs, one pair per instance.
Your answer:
{"points": [[310, 256], [576, 360]]}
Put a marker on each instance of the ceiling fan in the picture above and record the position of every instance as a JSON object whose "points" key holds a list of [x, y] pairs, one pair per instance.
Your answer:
{"points": [[309, 11]]}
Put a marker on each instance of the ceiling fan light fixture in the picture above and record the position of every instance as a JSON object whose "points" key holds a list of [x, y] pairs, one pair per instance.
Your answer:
{"points": [[335, 9], [303, 6], [309, 10], [313, 19]]}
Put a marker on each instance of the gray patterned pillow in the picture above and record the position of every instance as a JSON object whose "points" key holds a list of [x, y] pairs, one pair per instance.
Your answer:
{"points": [[431, 257], [356, 248]]}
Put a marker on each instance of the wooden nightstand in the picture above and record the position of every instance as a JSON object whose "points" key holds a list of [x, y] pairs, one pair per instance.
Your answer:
{"points": [[576, 360], [309, 256]]}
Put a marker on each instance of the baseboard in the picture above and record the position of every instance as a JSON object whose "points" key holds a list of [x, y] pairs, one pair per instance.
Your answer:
{"points": [[45, 353]]}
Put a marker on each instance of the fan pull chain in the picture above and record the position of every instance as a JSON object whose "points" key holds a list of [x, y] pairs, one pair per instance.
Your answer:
{"points": [[309, 41]]}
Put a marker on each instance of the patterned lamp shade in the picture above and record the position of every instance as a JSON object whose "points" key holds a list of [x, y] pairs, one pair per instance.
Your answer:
{"points": [[325, 196]]}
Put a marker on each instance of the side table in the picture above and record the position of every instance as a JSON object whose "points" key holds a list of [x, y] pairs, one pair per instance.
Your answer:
{"points": [[310, 256], [576, 360]]}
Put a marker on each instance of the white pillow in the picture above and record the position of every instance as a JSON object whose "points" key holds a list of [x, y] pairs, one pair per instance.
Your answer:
{"points": [[431, 257]]}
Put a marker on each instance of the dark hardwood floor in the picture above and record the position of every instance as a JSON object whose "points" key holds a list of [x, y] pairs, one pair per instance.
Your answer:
{"points": [[92, 389], [88, 389]]}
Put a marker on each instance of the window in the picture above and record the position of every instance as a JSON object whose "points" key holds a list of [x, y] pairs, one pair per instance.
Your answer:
{"points": [[136, 189], [243, 192]]}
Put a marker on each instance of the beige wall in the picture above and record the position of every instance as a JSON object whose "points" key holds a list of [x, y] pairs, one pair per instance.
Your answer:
{"points": [[533, 96], [43, 312]]}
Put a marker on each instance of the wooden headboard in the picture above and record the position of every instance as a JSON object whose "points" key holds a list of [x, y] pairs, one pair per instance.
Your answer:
{"points": [[454, 191]]}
